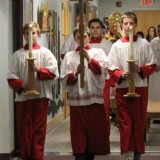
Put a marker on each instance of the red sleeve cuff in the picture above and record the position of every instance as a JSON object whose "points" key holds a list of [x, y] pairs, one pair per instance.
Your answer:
{"points": [[94, 66], [45, 74], [147, 70], [15, 84], [71, 79], [115, 75]]}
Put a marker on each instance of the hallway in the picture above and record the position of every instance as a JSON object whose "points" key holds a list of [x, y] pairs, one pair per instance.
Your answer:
{"points": [[58, 145]]}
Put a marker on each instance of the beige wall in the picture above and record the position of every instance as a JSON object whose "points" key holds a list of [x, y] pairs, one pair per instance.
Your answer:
{"points": [[6, 95]]}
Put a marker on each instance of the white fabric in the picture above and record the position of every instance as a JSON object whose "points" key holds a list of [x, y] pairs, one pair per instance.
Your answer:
{"points": [[69, 44], [18, 69], [104, 45], [93, 83], [143, 56], [154, 87], [155, 44]]}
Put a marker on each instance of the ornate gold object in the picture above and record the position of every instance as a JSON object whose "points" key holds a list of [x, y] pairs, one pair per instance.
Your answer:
{"points": [[44, 17], [114, 21]]}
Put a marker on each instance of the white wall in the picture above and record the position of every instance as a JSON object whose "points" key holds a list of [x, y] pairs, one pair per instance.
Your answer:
{"points": [[106, 7], [6, 95]]}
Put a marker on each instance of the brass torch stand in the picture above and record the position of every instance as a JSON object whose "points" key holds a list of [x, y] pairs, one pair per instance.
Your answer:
{"points": [[131, 81], [31, 77]]}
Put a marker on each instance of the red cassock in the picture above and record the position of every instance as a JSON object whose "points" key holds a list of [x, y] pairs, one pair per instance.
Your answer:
{"points": [[105, 45], [131, 111], [89, 129]]}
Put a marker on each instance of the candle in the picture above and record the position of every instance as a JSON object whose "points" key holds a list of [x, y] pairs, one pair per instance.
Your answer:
{"points": [[131, 53], [30, 41]]}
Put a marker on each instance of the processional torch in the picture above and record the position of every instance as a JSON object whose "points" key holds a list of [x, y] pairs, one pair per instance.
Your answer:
{"points": [[81, 29], [31, 74], [131, 65]]}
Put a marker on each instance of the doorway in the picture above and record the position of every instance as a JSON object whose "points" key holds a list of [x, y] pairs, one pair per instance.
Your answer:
{"points": [[17, 7]]}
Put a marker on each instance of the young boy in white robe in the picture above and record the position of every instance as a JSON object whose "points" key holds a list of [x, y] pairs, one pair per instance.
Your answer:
{"points": [[87, 113], [96, 41], [131, 111], [32, 110]]}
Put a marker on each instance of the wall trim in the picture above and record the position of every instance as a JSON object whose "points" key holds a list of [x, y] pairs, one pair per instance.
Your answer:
{"points": [[6, 156], [57, 119]]}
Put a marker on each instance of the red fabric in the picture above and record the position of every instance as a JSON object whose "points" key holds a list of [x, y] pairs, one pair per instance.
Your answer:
{"points": [[15, 84], [62, 56], [131, 114], [112, 82], [71, 79], [35, 46], [94, 66], [107, 105], [126, 39], [147, 70], [109, 83], [31, 119], [88, 129], [45, 74], [115, 75], [97, 40], [86, 47]]}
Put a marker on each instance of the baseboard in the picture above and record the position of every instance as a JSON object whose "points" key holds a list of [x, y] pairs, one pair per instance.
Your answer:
{"points": [[51, 124], [6, 156]]}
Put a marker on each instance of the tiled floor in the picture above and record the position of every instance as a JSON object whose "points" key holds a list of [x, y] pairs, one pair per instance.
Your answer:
{"points": [[58, 140]]}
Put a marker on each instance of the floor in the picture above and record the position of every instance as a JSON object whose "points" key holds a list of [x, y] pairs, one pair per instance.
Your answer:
{"points": [[58, 140]]}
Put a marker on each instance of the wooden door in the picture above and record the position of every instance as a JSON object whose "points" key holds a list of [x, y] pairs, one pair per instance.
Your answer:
{"points": [[146, 19]]}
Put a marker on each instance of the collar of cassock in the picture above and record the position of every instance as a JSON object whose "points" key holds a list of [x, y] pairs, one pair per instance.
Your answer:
{"points": [[86, 47], [126, 39], [34, 47], [97, 40]]}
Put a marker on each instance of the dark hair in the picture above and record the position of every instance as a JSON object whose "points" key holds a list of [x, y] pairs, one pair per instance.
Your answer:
{"points": [[95, 20], [129, 15], [148, 36], [141, 33], [77, 29]]}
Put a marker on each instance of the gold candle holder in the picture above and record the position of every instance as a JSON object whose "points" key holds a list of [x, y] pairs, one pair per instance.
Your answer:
{"points": [[131, 81], [131, 66], [31, 74]]}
